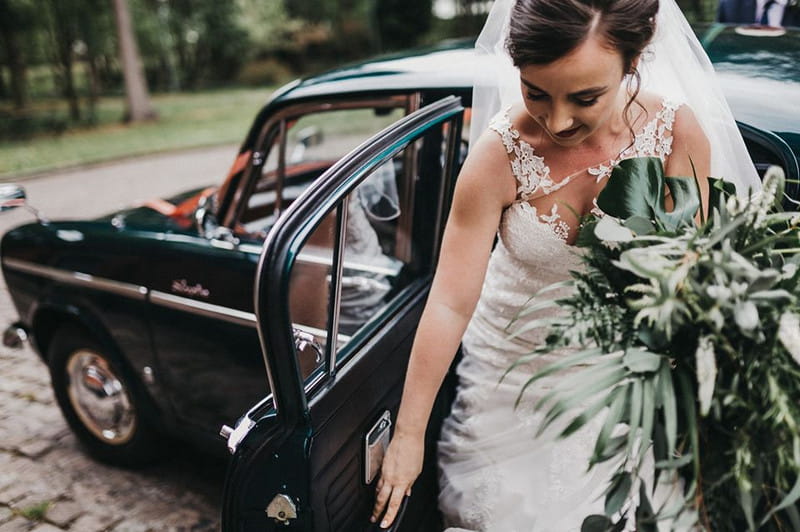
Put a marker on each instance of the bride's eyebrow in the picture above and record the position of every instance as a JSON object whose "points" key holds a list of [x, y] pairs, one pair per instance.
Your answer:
{"points": [[581, 93]]}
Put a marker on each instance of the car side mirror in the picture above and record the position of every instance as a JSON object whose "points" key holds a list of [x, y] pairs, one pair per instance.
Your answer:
{"points": [[13, 196], [306, 138]]}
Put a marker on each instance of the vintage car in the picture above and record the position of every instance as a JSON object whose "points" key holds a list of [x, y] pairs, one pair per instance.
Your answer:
{"points": [[284, 302]]}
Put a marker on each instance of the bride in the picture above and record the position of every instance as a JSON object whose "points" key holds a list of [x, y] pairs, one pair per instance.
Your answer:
{"points": [[600, 81]]}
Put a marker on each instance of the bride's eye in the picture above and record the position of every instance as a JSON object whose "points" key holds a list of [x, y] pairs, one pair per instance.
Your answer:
{"points": [[533, 96], [587, 102]]}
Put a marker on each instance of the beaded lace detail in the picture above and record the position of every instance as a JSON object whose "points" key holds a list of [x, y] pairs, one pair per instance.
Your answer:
{"points": [[533, 174]]}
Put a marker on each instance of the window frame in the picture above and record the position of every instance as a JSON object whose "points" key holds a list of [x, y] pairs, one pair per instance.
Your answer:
{"points": [[275, 128]]}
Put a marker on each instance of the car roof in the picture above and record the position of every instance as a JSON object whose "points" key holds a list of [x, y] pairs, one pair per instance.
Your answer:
{"points": [[450, 64]]}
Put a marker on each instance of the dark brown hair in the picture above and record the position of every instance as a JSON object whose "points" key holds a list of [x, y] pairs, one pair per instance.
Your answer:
{"points": [[542, 31]]}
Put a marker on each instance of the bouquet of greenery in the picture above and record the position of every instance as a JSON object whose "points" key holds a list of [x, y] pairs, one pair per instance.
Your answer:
{"points": [[686, 337]]}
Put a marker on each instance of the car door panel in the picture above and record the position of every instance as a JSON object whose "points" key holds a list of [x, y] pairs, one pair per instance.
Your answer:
{"points": [[204, 331], [316, 457], [339, 496]]}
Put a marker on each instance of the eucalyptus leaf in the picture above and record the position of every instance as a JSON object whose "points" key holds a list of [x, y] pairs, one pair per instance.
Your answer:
{"points": [[648, 415], [746, 503], [687, 399], [619, 493], [613, 417], [613, 449], [676, 463], [645, 519], [667, 392], [792, 497], [635, 417], [587, 415]]}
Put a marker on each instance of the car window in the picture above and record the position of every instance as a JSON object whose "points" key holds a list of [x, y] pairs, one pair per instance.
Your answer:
{"points": [[312, 143], [388, 232], [369, 268]]}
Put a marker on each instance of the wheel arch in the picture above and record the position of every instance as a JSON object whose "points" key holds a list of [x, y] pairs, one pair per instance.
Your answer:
{"points": [[49, 317]]}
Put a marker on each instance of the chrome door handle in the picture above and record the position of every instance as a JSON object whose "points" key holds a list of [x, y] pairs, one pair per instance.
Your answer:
{"points": [[303, 339]]}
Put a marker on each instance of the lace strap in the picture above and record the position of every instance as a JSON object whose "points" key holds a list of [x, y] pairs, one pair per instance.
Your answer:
{"points": [[653, 140], [530, 170], [666, 119]]}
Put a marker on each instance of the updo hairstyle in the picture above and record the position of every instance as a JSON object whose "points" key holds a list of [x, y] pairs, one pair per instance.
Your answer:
{"points": [[542, 31]]}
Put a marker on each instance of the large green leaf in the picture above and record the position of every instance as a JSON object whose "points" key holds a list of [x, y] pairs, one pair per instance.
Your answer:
{"points": [[637, 188]]}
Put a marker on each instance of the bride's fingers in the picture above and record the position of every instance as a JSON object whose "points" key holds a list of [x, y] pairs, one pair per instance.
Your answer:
{"points": [[394, 505], [384, 489]]}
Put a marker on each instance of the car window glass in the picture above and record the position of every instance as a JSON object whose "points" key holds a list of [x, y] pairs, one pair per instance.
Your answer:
{"points": [[309, 296], [389, 235], [370, 268], [313, 143], [385, 231]]}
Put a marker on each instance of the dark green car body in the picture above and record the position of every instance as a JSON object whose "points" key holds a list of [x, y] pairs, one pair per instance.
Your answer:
{"points": [[201, 310]]}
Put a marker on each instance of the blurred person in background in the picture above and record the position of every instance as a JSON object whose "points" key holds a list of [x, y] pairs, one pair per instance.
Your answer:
{"points": [[774, 13]]}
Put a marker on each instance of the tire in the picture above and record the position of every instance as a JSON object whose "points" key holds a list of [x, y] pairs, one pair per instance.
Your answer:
{"points": [[100, 400]]}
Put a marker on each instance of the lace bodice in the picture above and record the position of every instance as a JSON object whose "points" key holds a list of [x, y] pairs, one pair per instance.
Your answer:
{"points": [[533, 175]]}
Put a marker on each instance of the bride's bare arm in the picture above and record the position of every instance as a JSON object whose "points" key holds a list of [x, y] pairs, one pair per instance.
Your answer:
{"points": [[485, 186], [690, 146]]}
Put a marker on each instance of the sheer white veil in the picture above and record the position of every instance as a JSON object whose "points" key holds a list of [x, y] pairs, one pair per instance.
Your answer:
{"points": [[673, 65]]}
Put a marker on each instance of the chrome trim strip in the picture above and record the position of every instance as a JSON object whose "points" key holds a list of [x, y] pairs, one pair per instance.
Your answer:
{"points": [[201, 308], [77, 278]]}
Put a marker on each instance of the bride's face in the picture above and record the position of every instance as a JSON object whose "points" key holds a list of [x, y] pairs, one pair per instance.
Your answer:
{"points": [[577, 95]]}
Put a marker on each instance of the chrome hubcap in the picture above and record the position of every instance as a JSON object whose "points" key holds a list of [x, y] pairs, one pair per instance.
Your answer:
{"points": [[99, 398]]}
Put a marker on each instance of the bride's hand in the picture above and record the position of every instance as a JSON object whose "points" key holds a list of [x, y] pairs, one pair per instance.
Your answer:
{"points": [[401, 466]]}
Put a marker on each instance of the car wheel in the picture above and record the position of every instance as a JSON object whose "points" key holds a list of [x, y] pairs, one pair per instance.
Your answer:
{"points": [[100, 401]]}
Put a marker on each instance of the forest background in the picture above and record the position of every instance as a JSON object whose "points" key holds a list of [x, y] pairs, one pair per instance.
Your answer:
{"points": [[204, 66]]}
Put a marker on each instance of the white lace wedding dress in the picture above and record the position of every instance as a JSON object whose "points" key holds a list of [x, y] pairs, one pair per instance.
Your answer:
{"points": [[495, 474]]}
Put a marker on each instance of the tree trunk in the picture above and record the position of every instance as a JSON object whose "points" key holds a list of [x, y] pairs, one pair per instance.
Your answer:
{"points": [[94, 85], [16, 68], [69, 90], [3, 88], [66, 59], [138, 99]]}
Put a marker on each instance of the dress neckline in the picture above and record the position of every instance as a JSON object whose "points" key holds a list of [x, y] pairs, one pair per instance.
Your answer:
{"points": [[533, 173]]}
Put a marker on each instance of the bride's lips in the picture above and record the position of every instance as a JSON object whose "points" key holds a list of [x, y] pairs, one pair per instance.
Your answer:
{"points": [[567, 133]]}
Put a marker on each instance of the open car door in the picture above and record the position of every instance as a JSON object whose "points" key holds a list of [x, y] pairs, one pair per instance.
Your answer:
{"points": [[340, 288]]}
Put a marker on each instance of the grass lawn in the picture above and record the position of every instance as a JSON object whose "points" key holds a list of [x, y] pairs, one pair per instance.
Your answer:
{"points": [[186, 120]]}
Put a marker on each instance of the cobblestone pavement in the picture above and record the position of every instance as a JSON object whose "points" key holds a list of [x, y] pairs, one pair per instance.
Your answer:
{"points": [[47, 484]]}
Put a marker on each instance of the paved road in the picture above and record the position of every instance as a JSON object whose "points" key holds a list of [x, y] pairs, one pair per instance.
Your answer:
{"points": [[46, 483]]}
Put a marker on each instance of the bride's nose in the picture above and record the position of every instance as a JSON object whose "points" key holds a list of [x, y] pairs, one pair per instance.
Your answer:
{"points": [[559, 119]]}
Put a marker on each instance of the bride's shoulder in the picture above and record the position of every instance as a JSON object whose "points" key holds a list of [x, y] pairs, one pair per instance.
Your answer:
{"points": [[513, 125], [655, 103], [678, 116]]}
